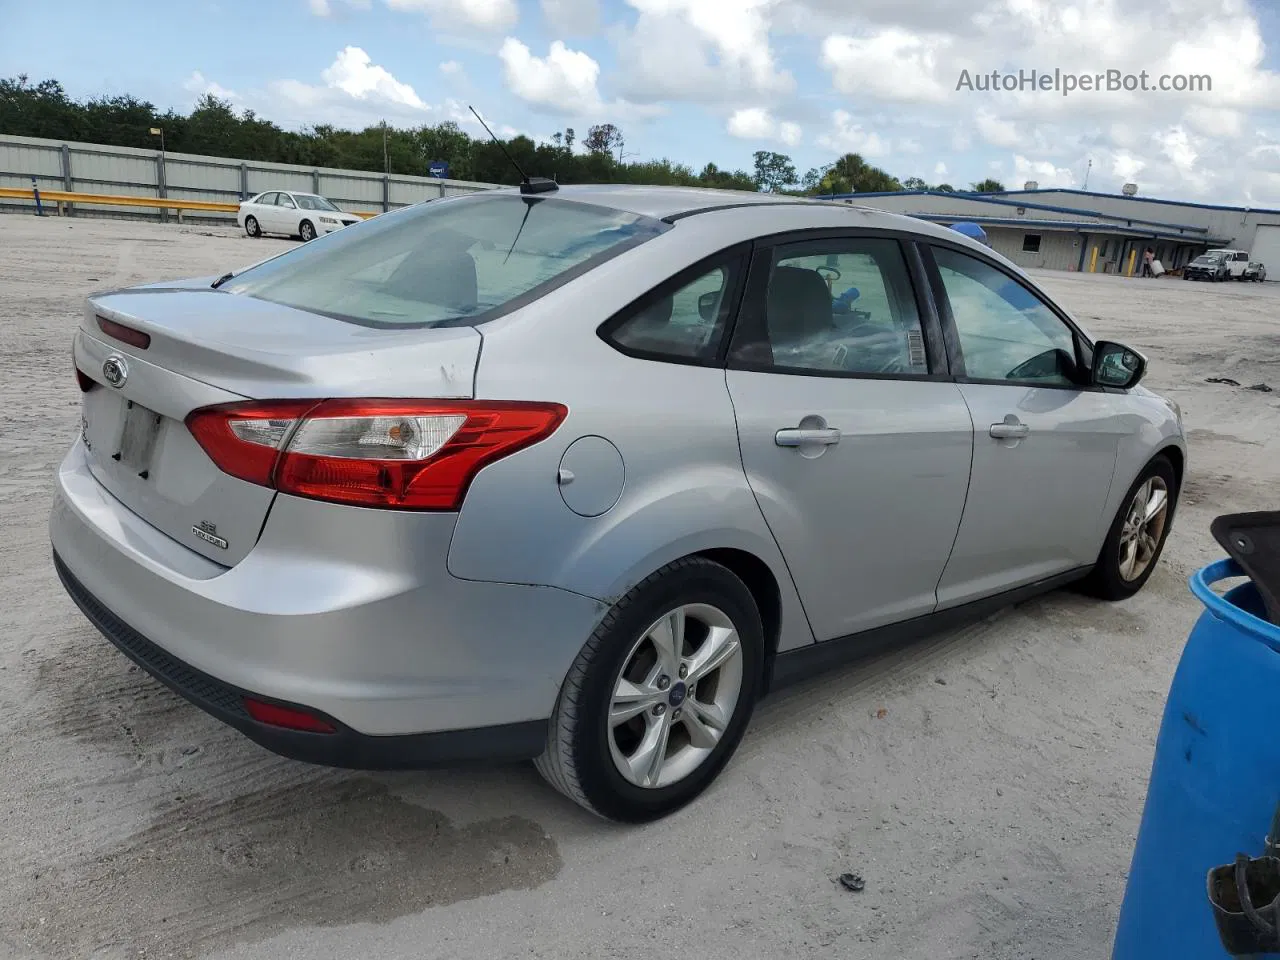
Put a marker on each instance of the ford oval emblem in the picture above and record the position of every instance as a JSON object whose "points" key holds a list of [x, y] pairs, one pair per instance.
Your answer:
{"points": [[115, 371]]}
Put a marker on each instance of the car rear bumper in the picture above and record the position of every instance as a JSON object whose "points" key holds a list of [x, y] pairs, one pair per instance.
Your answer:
{"points": [[344, 747], [345, 612]]}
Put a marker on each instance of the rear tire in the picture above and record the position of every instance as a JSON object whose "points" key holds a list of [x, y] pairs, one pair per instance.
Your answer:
{"points": [[1133, 545], [307, 231], [604, 766], [251, 227]]}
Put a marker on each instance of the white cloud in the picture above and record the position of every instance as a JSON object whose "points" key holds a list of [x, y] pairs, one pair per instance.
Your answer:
{"points": [[356, 75], [713, 51], [451, 68], [1195, 143], [354, 92], [939, 169], [1180, 149], [997, 132], [756, 123], [891, 64], [564, 81], [482, 14], [1041, 171], [845, 135], [1125, 166], [1215, 121], [198, 85], [576, 17]]}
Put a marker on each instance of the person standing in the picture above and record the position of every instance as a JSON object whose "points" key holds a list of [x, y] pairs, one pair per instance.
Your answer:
{"points": [[1147, 256]]}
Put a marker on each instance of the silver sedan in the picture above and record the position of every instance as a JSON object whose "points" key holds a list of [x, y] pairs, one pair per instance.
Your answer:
{"points": [[579, 475]]}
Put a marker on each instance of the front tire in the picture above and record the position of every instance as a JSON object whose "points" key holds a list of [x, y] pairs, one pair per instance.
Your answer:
{"points": [[252, 228], [307, 231], [1137, 535], [660, 696]]}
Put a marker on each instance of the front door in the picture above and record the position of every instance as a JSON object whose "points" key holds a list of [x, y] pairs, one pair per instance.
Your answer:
{"points": [[1045, 446], [857, 455]]}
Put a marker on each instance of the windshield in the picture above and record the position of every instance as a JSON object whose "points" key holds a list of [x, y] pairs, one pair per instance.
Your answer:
{"points": [[456, 261], [1211, 256], [309, 201]]}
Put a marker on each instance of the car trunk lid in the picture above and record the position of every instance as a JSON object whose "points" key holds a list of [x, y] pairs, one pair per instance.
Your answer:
{"points": [[204, 348]]}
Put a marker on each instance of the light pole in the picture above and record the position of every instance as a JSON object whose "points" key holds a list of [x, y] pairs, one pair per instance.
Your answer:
{"points": [[162, 189]]}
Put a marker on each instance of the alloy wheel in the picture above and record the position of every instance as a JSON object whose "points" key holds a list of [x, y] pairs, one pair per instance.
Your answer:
{"points": [[675, 695], [1143, 528]]}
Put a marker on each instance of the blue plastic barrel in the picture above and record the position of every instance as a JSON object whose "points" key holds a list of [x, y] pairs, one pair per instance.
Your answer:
{"points": [[1215, 781]]}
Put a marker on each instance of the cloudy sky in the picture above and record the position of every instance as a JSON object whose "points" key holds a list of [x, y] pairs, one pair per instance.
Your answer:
{"points": [[715, 80]]}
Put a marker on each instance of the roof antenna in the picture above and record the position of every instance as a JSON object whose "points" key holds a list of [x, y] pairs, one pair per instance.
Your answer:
{"points": [[528, 184]]}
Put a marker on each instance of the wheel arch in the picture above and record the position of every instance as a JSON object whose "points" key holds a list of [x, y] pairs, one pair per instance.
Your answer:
{"points": [[1177, 459], [762, 583]]}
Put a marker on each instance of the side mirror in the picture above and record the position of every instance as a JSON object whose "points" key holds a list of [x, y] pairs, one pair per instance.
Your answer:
{"points": [[707, 304], [1115, 365]]}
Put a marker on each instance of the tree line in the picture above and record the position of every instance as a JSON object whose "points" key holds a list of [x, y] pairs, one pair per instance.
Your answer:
{"points": [[215, 128]]}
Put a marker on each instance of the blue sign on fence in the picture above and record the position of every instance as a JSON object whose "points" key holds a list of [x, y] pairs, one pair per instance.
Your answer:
{"points": [[438, 168]]}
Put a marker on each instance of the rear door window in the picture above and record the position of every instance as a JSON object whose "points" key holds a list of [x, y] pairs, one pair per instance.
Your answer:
{"points": [[835, 307], [457, 261]]}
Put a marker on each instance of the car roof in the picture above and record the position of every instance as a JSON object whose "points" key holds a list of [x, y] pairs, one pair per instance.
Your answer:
{"points": [[664, 202]]}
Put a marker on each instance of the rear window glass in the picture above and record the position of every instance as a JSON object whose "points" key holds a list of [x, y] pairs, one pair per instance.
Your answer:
{"points": [[447, 262]]}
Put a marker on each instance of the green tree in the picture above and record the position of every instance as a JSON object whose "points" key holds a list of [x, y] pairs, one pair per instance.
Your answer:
{"points": [[852, 174], [713, 176], [914, 183], [216, 127], [988, 185], [603, 138], [945, 188], [774, 171]]}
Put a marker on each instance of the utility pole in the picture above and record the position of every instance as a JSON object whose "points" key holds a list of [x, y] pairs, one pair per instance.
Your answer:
{"points": [[386, 162], [1086, 174]]}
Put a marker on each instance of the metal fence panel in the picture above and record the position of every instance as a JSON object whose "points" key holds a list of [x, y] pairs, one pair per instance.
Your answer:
{"points": [[128, 171]]}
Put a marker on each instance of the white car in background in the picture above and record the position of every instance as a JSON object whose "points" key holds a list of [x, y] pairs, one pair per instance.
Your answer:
{"points": [[304, 215]]}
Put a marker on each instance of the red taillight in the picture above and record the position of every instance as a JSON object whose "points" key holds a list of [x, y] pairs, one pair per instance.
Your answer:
{"points": [[406, 454], [290, 718], [118, 331], [245, 439]]}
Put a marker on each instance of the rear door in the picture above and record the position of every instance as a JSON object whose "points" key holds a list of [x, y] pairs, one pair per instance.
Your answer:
{"points": [[854, 441], [267, 212], [1045, 447]]}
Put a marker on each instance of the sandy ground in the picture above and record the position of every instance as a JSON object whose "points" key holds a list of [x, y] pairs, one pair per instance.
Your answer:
{"points": [[987, 784]]}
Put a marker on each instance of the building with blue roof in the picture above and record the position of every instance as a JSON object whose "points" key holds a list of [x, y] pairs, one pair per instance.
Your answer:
{"points": [[1062, 229]]}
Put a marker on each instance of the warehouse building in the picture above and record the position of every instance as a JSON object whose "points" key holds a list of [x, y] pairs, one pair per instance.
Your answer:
{"points": [[1059, 229]]}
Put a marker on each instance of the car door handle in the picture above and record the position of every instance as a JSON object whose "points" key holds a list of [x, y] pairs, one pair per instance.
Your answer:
{"points": [[797, 436], [1009, 430]]}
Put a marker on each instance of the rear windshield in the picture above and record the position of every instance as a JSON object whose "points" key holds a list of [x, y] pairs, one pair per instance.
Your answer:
{"points": [[450, 262]]}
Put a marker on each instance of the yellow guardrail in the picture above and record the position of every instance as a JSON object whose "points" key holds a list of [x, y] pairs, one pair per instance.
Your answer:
{"points": [[60, 197]]}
